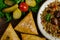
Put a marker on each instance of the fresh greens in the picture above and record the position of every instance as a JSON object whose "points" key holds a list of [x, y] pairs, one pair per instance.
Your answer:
{"points": [[8, 17], [38, 1], [22, 0], [34, 9], [17, 1], [2, 4], [47, 17], [1, 15]]}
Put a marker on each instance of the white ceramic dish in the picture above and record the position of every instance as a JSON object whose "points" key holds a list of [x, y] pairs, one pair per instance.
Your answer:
{"points": [[48, 36]]}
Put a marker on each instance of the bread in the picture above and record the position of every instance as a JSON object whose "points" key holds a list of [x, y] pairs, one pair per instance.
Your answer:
{"points": [[10, 34], [27, 25], [31, 37]]}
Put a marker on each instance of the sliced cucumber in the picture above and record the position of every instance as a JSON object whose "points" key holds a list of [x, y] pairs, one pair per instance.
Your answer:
{"points": [[17, 14], [31, 3]]}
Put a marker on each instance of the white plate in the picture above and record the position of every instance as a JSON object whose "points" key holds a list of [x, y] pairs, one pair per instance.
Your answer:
{"points": [[48, 36]]}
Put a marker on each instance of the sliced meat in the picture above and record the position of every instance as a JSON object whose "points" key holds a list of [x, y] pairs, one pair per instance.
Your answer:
{"points": [[54, 21], [59, 22], [57, 14], [48, 11]]}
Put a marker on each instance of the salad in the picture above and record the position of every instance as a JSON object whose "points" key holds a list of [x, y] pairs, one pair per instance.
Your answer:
{"points": [[15, 9]]}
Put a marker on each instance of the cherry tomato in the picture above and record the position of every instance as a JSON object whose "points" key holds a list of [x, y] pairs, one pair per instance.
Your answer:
{"points": [[23, 7]]}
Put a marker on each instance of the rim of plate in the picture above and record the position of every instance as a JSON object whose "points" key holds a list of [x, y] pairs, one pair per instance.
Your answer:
{"points": [[40, 26]]}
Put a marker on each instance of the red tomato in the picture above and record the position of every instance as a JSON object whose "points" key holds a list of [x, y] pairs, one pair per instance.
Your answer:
{"points": [[23, 7]]}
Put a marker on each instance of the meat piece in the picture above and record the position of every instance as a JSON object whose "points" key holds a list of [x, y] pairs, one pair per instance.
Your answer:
{"points": [[59, 22], [48, 11], [54, 21], [57, 14], [59, 5], [54, 28]]}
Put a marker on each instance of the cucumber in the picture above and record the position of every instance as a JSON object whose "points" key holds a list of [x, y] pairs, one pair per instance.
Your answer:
{"points": [[17, 14]]}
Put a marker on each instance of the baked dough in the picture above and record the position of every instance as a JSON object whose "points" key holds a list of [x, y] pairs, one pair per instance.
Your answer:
{"points": [[10, 34], [27, 25], [31, 37]]}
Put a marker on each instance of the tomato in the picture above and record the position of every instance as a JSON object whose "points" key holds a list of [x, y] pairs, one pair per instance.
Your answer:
{"points": [[23, 7]]}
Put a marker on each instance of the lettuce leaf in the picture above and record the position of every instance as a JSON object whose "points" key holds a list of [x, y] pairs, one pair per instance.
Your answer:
{"points": [[16, 1], [2, 4]]}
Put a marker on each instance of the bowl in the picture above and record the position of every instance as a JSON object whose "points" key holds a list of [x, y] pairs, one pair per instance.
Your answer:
{"points": [[40, 26]]}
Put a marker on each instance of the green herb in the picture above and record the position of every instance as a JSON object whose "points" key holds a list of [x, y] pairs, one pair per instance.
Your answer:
{"points": [[2, 4], [16, 1], [8, 17], [47, 17], [38, 1], [34, 9], [1, 15], [22, 0]]}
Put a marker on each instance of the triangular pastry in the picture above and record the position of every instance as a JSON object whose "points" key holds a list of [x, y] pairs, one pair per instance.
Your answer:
{"points": [[27, 25], [31, 37], [10, 34]]}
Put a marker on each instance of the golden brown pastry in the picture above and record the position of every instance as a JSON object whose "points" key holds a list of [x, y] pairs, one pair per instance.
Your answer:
{"points": [[27, 25], [31, 37], [10, 34]]}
